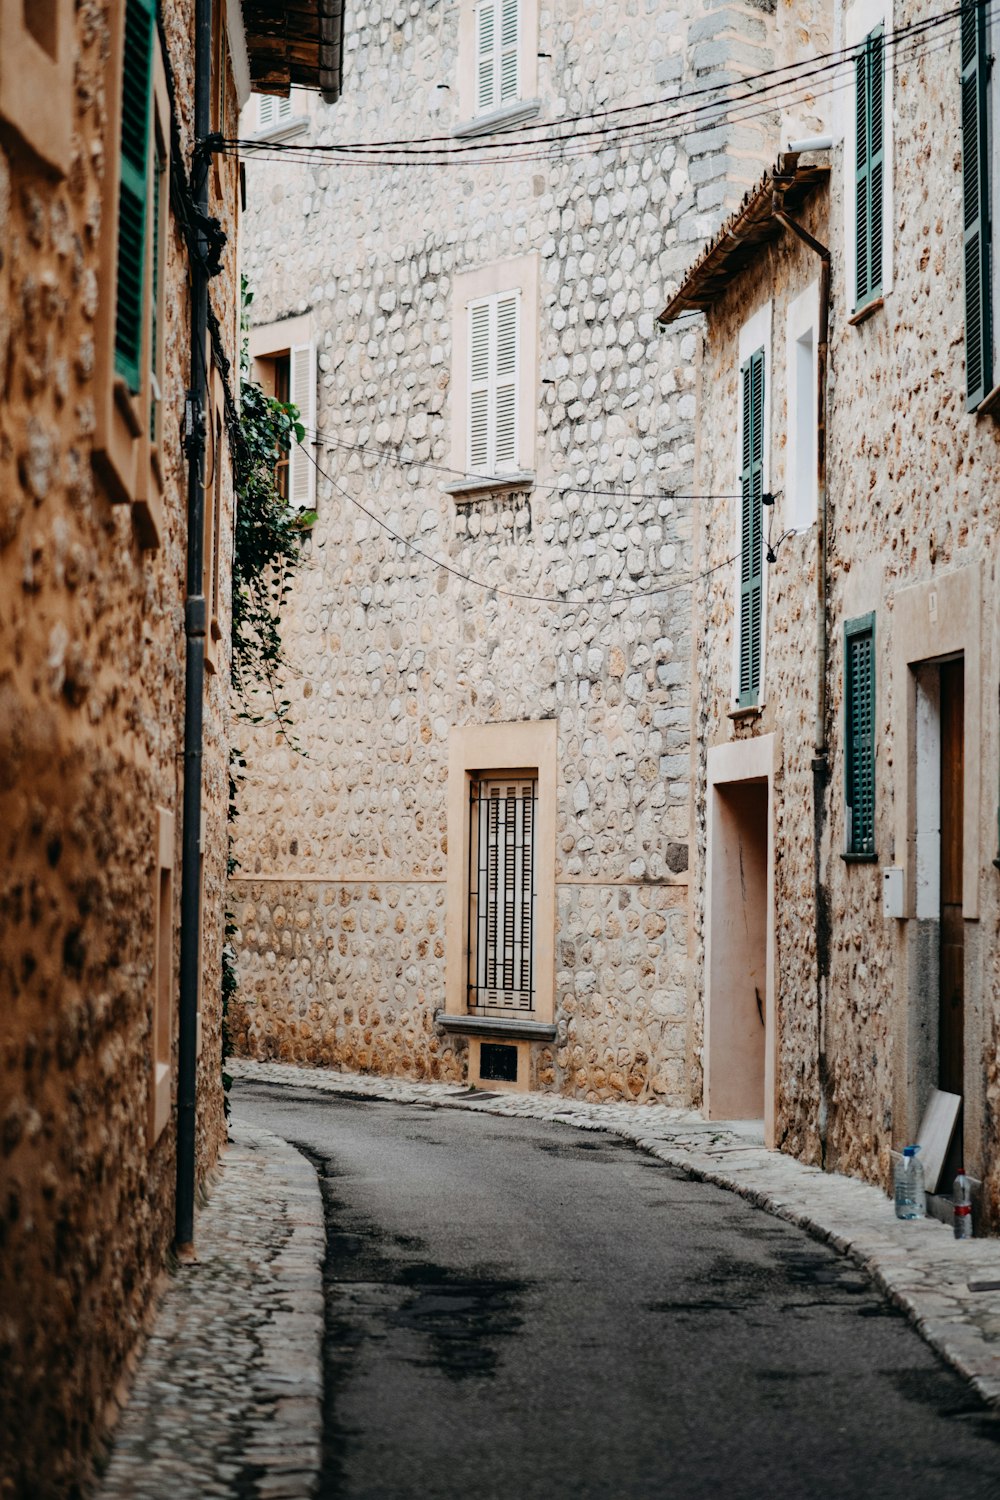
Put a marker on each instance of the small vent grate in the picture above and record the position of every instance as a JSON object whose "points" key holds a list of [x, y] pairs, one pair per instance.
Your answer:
{"points": [[497, 1063]]}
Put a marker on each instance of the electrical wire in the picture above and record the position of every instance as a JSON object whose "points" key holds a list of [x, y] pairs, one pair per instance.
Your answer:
{"points": [[494, 588], [420, 149]]}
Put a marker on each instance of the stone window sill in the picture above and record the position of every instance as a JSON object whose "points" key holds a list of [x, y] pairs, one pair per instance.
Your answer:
{"points": [[864, 313], [503, 118], [501, 1027], [851, 858], [990, 405], [748, 712], [286, 131], [466, 489]]}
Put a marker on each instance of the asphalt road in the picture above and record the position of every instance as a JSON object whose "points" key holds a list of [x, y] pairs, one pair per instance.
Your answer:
{"points": [[521, 1310]]}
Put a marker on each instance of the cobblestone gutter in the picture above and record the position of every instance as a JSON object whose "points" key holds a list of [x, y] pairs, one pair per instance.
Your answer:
{"points": [[920, 1267], [227, 1399]]}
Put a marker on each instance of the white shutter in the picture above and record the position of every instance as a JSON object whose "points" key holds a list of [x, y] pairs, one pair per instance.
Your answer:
{"points": [[485, 55], [508, 50], [479, 387], [265, 111], [505, 402], [285, 109], [302, 393]]}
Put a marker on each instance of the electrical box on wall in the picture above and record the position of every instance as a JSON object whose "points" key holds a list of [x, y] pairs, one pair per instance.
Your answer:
{"points": [[892, 891]]}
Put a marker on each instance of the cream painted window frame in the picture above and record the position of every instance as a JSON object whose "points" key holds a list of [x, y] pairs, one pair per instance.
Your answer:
{"points": [[485, 750], [518, 275], [860, 19], [161, 1009], [801, 322], [517, 111], [36, 82], [269, 341]]}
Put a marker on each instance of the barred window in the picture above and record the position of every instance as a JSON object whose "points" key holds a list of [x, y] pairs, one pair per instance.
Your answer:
{"points": [[502, 894]]}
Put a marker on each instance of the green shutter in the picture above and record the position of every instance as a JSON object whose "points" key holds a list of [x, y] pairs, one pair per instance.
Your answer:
{"points": [[751, 529], [976, 202], [859, 702], [137, 74], [869, 167]]}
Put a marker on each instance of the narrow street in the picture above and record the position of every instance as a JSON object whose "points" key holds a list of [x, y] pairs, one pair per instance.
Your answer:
{"points": [[516, 1309]]}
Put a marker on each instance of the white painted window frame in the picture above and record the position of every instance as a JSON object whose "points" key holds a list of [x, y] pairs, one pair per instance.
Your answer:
{"points": [[801, 493], [755, 334], [860, 19]]}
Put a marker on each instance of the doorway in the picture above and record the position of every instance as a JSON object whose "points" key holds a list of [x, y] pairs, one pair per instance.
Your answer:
{"points": [[737, 951]]}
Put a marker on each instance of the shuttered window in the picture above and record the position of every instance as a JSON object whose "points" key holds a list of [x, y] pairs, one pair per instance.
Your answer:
{"points": [[751, 529], [497, 81], [302, 393], [272, 111], [859, 712], [976, 203], [869, 165], [502, 894], [493, 384], [137, 93]]}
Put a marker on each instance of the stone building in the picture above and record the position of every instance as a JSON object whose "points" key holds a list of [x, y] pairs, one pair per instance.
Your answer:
{"points": [[97, 123], [490, 642], [848, 647]]}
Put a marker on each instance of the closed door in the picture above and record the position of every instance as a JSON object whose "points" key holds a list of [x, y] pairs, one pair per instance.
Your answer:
{"points": [[952, 958]]}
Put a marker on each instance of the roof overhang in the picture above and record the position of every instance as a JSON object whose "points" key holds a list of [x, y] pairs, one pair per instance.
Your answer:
{"points": [[753, 225], [295, 44]]}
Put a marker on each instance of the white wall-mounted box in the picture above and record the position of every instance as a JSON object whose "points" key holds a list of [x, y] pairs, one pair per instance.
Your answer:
{"points": [[892, 891]]}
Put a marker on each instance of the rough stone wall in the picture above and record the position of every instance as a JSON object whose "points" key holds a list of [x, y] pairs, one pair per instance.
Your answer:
{"points": [[91, 721], [340, 898], [913, 486]]}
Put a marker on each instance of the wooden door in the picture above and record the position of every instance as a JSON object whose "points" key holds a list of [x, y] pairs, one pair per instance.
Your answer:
{"points": [[952, 957]]}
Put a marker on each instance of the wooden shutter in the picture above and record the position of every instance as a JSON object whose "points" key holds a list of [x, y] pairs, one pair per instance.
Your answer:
{"points": [[502, 894], [133, 187], [479, 387], [869, 167], [751, 529], [859, 696], [485, 55], [508, 50], [493, 384], [265, 111], [976, 204], [302, 393], [505, 399]]}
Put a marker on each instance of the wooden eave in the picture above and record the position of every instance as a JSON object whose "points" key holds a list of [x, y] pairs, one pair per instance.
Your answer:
{"points": [[752, 226], [295, 43]]}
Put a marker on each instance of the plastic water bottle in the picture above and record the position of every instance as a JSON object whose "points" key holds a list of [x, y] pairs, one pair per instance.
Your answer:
{"points": [[962, 1198], [909, 1185]]}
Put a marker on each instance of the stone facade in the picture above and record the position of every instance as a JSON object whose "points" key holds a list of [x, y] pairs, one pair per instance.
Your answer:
{"points": [[91, 733], [912, 522], [344, 848]]}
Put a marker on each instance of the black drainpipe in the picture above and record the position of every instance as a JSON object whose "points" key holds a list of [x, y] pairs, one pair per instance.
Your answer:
{"points": [[821, 759], [194, 628]]}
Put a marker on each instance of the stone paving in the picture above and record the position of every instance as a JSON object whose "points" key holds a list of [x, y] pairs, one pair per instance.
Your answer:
{"points": [[917, 1264], [227, 1399]]}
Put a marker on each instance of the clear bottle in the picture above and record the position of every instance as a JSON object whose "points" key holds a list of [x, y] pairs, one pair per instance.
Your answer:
{"points": [[961, 1195], [909, 1185]]}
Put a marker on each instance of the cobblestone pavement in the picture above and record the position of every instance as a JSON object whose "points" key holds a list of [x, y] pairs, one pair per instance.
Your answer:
{"points": [[918, 1264], [227, 1399]]}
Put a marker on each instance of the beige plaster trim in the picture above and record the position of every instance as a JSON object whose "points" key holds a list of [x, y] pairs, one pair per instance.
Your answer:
{"points": [[937, 619], [745, 760], [36, 85], [527, 56], [480, 748], [520, 274], [269, 339]]}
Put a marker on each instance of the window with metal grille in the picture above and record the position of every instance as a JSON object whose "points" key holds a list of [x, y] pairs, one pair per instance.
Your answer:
{"points": [[869, 166], [497, 81], [493, 377], [859, 704], [976, 63], [502, 894], [133, 187], [751, 529]]}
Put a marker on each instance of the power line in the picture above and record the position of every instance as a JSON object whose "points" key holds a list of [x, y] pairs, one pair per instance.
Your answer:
{"points": [[439, 150], [623, 492], [494, 588]]}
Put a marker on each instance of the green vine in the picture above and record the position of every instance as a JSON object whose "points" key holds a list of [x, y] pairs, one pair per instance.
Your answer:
{"points": [[267, 551]]}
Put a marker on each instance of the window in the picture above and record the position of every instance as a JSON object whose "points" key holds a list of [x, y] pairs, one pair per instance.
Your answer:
{"points": [[148, 509], [133, 185], [212, 543], [859, 715], [163, 976], [493, 361], [273, 113], [869, 167], [502, 894], [751, 529], [494, 374], [496, 53], [284, 362], [976, 203], [37, 46]]}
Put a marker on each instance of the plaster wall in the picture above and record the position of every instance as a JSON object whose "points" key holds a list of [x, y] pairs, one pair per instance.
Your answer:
{"points": [[91, 720]]}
